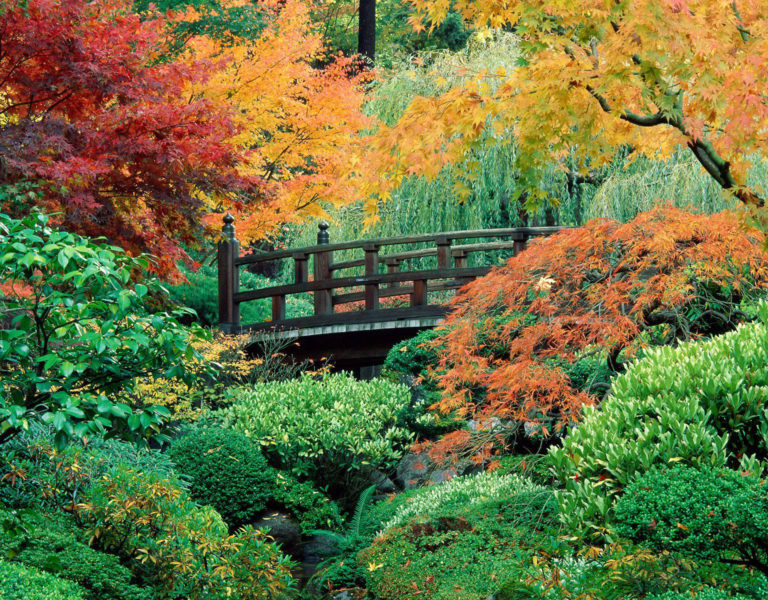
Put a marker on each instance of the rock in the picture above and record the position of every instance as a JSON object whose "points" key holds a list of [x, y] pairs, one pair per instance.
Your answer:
{"points": [[319, 547], [416, 470], [285, 532], [384, 485], [413, 470]]}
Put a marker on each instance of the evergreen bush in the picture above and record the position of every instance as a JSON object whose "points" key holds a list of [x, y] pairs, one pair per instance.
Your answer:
{"points": [[704, 513], [18, 582], [227, 471], [332, 431], [699, 404]]}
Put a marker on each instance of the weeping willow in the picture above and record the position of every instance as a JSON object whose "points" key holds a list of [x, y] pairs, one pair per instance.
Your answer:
{"points": [[619, 191]]}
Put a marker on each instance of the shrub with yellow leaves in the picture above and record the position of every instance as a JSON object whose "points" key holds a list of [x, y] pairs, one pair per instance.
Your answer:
{"points": [[184, 551]]}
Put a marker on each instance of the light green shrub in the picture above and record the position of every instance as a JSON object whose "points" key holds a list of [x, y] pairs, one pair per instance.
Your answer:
{"points": [[332, 430], [462, 493], [18, 582], [700, 404]]}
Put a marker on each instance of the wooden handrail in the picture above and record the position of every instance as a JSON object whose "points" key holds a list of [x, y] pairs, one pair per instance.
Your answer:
{"points": [[343, 282], [521, 232], [425, 253], [452, 272]]}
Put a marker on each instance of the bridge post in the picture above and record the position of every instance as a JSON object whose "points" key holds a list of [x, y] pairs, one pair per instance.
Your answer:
{"points": [[443, 252], [520, 240], [322, 270], [371, 268], [229, 280]]}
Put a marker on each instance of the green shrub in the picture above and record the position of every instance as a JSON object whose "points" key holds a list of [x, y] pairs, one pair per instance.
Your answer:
{"points": [[705, 594], [76, 332], [182, 550], [704, 513], [309, 507], [333, 431], [227, 472], [415, 357], [702, 403], [18, 582], [34, 474], [53, 544], [454, 541], [462, 493]]}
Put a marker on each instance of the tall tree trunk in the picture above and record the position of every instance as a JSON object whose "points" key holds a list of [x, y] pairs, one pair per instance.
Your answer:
{"points": [[366, 32]]}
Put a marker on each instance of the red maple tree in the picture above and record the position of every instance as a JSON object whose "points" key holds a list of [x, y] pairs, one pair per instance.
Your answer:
{"points": [[91, 111]]}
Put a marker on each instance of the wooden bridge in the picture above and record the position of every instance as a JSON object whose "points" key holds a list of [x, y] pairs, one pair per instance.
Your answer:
{"points": [[364, 305]]}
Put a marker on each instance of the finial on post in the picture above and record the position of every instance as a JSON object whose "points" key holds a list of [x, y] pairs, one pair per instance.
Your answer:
{"points": [[322, 235], [229, 229]]}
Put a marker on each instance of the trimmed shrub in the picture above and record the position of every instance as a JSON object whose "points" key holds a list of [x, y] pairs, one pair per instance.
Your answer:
{"points": [[18, 582], [52, 544], [704, 513], [332, 430], [227, 471], [700, 404]]}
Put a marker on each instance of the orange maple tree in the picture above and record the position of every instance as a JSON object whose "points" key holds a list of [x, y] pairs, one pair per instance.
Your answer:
{"points": [[600, 292], [297, 108], [594, 76]]}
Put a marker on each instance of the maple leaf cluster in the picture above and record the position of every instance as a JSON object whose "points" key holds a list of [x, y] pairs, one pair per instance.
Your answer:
{"points": [[605, 289], [136, 143], [649, 75]]}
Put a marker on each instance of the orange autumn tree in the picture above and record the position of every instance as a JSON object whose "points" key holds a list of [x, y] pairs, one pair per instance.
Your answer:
{"points": [[528, 342], [596, 76], [296, 108]]}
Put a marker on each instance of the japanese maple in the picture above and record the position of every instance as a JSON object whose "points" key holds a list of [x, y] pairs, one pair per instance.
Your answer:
{"points": [[602, 291], [296, 109], [87, 108]]}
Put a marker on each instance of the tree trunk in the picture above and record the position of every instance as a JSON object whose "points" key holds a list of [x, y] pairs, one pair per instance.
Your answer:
{"points": [[366, 33]]}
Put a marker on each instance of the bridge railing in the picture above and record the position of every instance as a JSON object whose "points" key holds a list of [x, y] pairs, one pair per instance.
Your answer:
{"points": [[375, 275]]}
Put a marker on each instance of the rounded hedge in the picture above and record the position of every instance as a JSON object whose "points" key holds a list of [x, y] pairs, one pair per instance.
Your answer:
{"points": [[18, 582], [228, 472], [703, 513]]}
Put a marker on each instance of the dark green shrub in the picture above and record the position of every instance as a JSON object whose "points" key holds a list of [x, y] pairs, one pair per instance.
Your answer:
{"points": [[310, 508], [18, 582], [704, 513], [415, 357], [227, 472], [53, 544]]}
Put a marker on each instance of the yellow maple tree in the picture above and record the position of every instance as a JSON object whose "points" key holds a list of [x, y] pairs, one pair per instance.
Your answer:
{"points": [[296, 108], [596, 76]]}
